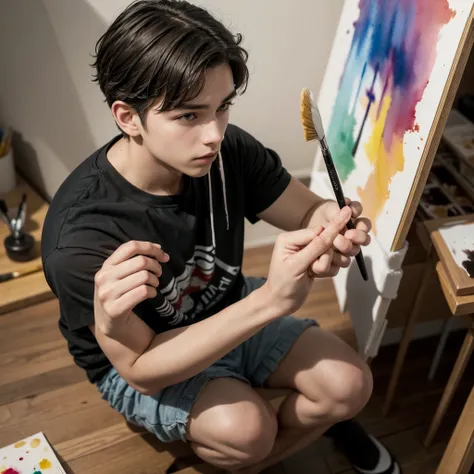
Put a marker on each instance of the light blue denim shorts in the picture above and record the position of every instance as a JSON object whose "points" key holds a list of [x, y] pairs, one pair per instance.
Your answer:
{"points": [[166, 413]]}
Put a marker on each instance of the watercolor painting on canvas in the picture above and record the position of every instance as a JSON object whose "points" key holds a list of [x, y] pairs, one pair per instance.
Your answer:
{"points": [[385, 78], [32, 455]]}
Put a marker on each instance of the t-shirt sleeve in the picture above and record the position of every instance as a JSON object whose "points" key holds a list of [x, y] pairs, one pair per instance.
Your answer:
{"points": [[70, 274], [265, 177]]}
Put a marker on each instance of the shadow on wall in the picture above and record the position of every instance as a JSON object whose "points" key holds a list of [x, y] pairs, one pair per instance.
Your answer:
{"points": [[39, 96]]}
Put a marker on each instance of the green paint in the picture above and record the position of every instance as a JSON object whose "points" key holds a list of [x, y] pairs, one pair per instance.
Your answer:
{"points": [[341, 141], [37, 472], [341, 133]]}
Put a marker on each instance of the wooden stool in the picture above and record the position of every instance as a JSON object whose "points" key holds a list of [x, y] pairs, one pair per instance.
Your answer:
{"points": [[459, 455], [459, 305], [457, 278], [458, 290]]}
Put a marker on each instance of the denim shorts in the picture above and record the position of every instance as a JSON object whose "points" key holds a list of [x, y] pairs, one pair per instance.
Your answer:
{"points": [[166, 413]]}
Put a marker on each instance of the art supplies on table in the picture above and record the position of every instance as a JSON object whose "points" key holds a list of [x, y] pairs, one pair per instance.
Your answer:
{"points": [[19, 245], [5, 141], [20, 273], [447, 193], [458, 134], [32, 455], [7, 167]]}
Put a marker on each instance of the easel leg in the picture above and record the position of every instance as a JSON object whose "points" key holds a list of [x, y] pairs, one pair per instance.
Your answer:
{"points": [[453, 382], [459, 455], [440, 348], [406, 339]]}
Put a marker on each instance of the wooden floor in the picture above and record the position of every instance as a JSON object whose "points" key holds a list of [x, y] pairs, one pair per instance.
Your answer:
{"points": [[41, 390]]}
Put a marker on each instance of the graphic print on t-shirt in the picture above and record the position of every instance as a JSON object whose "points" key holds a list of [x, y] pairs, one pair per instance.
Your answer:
{"points": [[200, 286]]}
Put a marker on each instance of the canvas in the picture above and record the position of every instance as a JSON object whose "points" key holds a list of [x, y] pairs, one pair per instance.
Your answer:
{"points": [[384, 81], [32, 455]]}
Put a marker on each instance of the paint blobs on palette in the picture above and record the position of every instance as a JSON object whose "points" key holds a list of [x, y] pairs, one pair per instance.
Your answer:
{"points": [[459, 239], [35, 443], [468, 264], [45, 464], [32, 455]]}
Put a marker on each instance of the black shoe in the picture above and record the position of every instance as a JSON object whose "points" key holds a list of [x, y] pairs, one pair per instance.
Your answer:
{"points": [[366, 454]]}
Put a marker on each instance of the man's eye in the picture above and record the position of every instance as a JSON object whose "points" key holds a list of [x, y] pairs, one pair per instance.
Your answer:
{"points": [[226, 106], [186, 117]]}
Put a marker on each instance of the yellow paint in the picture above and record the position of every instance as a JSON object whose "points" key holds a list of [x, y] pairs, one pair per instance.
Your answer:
{"points": [[2, 469], [19, 444], [45, 464], [386, 163], [35, 443]]}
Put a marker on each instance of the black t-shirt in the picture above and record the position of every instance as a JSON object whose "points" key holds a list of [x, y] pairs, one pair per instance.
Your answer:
{"points": [[96, 210]]}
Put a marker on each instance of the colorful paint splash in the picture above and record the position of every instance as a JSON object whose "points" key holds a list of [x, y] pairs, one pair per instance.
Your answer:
{"points": [[388, 67]]}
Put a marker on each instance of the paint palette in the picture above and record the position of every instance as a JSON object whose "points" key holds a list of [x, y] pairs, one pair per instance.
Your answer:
{"points": [[32, 455], [460, 241]]}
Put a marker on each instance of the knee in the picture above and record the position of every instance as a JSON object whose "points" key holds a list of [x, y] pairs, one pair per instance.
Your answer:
{"points": [[247, 436], [348, 389]]}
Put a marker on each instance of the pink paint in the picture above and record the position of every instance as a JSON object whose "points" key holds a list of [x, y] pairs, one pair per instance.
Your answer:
{"points": [[415, 56]]}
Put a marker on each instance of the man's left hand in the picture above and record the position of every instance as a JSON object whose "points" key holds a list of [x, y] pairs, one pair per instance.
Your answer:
{"points": [[347, 244]]}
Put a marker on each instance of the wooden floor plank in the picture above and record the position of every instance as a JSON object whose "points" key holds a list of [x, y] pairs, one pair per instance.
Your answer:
{"points": [[130, 456], [40, 383], [73, 419], [41, 390], [19, 364]]}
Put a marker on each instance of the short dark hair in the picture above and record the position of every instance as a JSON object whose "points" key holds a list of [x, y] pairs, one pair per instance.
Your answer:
{"points": [[161, 49]]}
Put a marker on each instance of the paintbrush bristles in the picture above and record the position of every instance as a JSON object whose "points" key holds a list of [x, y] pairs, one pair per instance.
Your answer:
{"points": [[312, 122], [309, 130]]}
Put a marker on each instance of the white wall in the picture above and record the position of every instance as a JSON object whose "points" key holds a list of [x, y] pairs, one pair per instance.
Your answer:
{"points": [[49, 98], [38, 98], [289, 45]]}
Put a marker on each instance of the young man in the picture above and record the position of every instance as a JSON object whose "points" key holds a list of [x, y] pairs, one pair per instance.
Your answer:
{"points": [[143, 246]]}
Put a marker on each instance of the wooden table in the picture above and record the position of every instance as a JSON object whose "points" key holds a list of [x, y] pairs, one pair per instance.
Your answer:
{"points": [[459, 455], [458, 290], [32, 288], [431, 239]]}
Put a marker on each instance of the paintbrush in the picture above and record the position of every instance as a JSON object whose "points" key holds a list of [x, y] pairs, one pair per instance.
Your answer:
{"points": [[20, 217], [4, 213], [5, 143], [19, 273], [313, 130]]}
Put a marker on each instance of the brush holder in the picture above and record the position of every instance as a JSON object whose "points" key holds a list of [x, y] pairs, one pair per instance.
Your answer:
{"points": [[20, 249]]}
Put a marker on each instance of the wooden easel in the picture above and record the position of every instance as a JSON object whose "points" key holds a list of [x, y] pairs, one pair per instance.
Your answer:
{"points": [[453, 85]]}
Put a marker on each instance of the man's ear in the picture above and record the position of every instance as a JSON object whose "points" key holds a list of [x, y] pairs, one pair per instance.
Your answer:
{"points": [[127, 118]]}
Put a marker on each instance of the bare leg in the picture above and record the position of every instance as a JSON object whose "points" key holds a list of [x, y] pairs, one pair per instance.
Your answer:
{"points": [[231, 426], [332, 384]]}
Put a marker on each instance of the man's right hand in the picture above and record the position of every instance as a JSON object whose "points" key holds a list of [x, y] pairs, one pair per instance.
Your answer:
{"points": [[128, 277], [288, 280]]}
